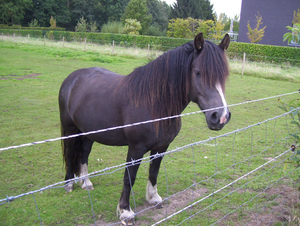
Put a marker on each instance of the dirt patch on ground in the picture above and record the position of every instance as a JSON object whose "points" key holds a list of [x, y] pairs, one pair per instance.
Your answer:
{"points": [[280, 210], [20, 77]]}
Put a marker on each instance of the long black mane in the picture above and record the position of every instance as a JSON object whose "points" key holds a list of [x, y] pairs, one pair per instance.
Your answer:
{"points": [[163, 84]]}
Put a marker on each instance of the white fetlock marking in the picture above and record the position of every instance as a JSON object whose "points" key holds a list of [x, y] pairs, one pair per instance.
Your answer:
{"points": [[151, 194], [225, 109], [69, 186], [86, 183], [125, 216]]}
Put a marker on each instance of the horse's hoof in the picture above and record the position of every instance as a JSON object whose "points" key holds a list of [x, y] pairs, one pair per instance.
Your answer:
{"points": [[126, 216], [159, 205], [88, 187], [86, 184], [152, 196], [69, 187]]}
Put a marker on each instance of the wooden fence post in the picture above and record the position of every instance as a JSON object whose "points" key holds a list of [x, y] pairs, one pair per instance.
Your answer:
{"points": [[113, 47], [44, 40], [28, 38], [85, 44], [63, 41], [14, 37], [244, 60]]}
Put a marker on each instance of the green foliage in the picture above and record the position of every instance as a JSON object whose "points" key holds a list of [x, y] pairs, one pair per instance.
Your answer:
{"points": [[92, 27], [296, 18], [113, 27], [294, 35], [188, 28], [265, 53], [52, 22], [216, 31], [160, 11], [155, 30], [255, 35], [19, 27], [295, 116], [132, 27], [81, 25], [34, 23], [180, 28], [138, 9], [43, 10], [292, 105], [198, 9], [12, 12]]}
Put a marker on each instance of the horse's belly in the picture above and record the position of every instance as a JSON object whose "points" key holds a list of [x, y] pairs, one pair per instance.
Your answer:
{"points": [[110, 138]]}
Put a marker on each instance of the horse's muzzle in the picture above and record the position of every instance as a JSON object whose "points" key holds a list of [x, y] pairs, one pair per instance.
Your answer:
{"points": [[216, 120]]}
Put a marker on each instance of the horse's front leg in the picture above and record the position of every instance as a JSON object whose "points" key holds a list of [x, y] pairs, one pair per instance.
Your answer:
{"points": [[152, 195], [125, 212], [86, 150]]}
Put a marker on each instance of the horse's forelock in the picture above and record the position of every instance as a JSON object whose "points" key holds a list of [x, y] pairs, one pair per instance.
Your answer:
{"points": [[213, 65]]}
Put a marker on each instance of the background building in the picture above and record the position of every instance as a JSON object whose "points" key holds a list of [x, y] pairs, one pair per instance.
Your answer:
{"points": [[276, 15]]}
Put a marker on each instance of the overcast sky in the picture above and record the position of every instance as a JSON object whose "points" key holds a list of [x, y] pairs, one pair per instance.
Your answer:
{"points": [[230, 7]]}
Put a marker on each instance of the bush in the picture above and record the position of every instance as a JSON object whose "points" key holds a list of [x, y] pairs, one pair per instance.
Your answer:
{"points": [[265, 53], [113, 27]]}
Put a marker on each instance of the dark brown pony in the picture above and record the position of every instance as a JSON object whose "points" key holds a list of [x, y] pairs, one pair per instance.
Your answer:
{"points": [[95, 98]]}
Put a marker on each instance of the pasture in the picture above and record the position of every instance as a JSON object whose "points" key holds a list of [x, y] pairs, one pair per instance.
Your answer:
{"points": [[30, 78]]}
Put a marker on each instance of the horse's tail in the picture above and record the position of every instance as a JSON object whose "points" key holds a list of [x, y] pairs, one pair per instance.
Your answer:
{"points": [[71, 156]]}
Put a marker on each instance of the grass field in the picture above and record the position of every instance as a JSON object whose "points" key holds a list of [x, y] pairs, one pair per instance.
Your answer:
{"points": [[30, 77]]}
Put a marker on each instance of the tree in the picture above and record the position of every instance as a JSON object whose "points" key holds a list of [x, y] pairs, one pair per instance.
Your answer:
{"points": [[198, 9], [217, 30], [12, 11], [189, 28], [255, 35], [132, 27], [43, 10], [159, 11], [52, 22], [81, 25], [296, 18], [137, 9]]}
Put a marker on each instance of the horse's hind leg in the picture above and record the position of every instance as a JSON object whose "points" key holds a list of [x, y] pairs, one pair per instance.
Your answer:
{"points": [[71, 161], [152, 195], [86, 149]]}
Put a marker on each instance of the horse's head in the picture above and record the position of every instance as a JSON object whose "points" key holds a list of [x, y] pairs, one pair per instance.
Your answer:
{"points": [[209, 71]]}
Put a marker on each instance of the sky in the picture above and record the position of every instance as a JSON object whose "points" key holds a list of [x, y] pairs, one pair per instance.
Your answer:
{"points": [[230, 7]]}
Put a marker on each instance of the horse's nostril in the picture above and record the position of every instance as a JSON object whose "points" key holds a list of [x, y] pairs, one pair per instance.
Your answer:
{"points": [[214, 117]]}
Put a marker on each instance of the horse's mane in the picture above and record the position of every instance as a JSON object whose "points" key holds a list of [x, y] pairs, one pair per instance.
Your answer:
{"points": [[163, 84]]}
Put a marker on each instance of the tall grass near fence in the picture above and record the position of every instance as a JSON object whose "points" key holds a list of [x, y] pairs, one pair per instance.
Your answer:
{"points": [[30, 79]]}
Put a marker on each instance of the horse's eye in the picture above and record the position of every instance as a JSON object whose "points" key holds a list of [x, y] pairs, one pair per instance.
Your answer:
{"points": [[197, 73]]}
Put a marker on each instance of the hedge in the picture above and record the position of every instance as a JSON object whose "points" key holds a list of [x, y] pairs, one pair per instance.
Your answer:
{"points": [[19, 27], [255, 52], [158, 42], [265, 53]]}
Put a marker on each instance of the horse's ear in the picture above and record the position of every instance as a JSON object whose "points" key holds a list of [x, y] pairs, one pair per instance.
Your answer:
{"points": [[225, 42], [198, 41]]}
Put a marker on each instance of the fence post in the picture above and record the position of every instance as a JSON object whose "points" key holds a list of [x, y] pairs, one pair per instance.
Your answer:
{"points": [[85, 44], [244, 60], [44, 40], [113, 47], [2, 35], [63, 41], [148, 50], [14, 37], [28, 37]]}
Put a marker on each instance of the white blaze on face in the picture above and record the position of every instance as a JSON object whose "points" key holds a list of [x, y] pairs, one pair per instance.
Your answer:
{"points": [[225, 109]]}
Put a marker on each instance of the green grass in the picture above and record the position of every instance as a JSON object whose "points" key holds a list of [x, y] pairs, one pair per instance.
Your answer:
{"points": [[29, 112]]}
